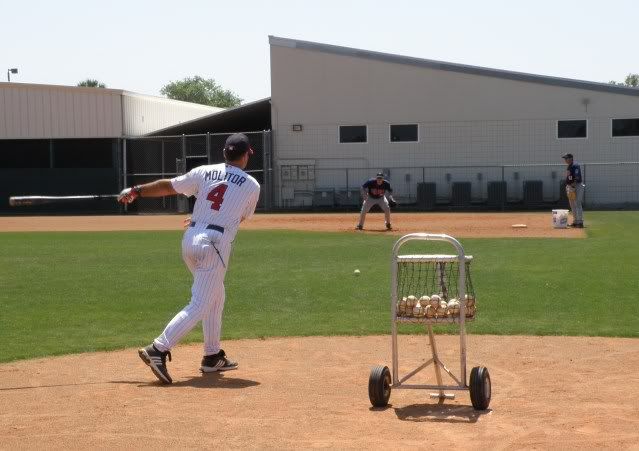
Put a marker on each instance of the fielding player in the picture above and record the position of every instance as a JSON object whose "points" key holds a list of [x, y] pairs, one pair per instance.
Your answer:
{"points": [[574, 190], [226, 195], [374, 192]]}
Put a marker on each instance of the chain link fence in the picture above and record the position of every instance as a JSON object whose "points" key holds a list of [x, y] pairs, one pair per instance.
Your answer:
{"points": [[305, 185], [149, 158], [505, 187]]}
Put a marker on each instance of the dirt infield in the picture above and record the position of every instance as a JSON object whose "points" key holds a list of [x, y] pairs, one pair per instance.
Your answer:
{"points": [[461, 225], [301, 393], [548, 393]]}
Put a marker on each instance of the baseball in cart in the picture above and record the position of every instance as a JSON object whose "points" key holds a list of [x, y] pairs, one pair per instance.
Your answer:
{"points": [[431, 289]]}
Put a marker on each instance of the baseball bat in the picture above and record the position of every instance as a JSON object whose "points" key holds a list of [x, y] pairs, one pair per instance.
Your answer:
{"points": [[22, 201]]}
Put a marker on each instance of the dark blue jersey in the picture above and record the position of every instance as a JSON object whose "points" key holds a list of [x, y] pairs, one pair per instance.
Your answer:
{"points": [[376, 191], [573, 174]]}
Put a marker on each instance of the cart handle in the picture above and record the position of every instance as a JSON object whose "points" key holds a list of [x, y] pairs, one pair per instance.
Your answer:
{"points": [[429, 237]]}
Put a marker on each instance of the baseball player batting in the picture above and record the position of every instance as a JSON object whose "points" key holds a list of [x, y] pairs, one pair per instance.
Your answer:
{"points": [[226, 195], [375, 192]]}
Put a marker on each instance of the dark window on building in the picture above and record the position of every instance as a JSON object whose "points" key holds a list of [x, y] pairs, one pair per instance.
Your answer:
{"points": [[83, 153], [403, 133], [625, 127], [24, 153], [572, 129], [352, 134]]}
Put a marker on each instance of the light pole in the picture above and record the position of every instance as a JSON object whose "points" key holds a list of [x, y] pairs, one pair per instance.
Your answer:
{"points": [[11, 71]]}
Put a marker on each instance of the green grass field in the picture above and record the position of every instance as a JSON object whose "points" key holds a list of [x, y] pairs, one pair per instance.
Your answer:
{"points": [[74, 292]]}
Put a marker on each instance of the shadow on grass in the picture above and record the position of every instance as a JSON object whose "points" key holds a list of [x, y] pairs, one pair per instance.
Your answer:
{"points": [[439, 413]]}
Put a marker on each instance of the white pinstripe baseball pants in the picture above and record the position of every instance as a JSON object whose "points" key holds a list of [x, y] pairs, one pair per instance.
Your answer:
{"points": [[208, 267]]}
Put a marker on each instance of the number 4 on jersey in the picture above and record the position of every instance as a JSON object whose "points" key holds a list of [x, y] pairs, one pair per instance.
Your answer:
{"points": [[217, 197]]}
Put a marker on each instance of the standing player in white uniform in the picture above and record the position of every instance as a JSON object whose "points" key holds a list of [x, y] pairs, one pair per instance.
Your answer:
{"points": [[226, 195]]}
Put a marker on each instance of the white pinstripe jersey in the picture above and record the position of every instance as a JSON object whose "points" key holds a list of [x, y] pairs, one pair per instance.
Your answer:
{"points": [[226, 195]]}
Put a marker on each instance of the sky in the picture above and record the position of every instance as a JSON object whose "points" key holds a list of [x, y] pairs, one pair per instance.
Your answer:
{"points": [[142, 45]]}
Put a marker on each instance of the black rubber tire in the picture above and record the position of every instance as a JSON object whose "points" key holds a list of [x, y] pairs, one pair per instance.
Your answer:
{"points": [[379, 386], [480, 388]]}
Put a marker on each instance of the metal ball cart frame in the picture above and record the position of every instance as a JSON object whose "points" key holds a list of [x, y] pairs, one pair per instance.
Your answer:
{"points": [[380, 382]]}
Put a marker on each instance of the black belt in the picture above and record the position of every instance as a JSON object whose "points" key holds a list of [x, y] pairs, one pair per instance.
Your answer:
{"points": [[210, 227]]}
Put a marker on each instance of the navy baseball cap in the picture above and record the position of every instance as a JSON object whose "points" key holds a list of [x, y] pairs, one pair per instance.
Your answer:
{"points": [[237, 144], [566, 156], [380, 175]]}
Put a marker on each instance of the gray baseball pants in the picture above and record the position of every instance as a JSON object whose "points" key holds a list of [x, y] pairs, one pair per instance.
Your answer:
{"points": [[576, 205], [368, 204]]}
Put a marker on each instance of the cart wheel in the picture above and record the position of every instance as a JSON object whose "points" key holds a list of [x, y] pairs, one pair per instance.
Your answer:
{"points": [[480, 387], [379, 386]]}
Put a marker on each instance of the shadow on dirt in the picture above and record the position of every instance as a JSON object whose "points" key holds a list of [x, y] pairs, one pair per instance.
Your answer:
{"points": [[29, 387], [439, 413], [210, 380]]}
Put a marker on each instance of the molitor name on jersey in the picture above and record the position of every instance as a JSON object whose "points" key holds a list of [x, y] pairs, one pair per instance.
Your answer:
{"points": [[218, 176]]}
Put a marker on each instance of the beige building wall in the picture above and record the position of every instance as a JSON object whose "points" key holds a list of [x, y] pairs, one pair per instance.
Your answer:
{"points": [[145, 114], [31, 111], [463, 120]]}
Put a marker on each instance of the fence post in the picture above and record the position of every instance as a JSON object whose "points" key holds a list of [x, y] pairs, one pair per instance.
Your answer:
{"points": [[124, 170], [208, 147], [184, 148], [162, 169], [268, 175], [183, 201], [505, 198], [583, 181]]}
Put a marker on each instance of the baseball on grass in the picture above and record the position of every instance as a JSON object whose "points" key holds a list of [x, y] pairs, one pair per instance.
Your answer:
{"points": [[357, 272]]}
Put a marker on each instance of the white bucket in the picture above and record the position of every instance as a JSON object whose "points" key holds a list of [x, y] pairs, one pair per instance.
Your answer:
{"points": [[560, 219]]}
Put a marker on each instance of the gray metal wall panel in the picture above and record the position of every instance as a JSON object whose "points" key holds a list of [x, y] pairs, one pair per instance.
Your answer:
{"points": [[3, 114], [41, 111], [146, 114], [463, 119]]}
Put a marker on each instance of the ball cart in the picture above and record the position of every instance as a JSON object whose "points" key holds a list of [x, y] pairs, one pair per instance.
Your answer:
{"points": [[431, 289]]}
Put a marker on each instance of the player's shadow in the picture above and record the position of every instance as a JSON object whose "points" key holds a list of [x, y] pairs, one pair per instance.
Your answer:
{"points": [[439, 413], [208, 380], [71, 384]]}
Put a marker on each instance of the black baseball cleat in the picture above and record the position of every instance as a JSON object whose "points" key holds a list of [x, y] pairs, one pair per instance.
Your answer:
{"points": [[156, 360], [578, 225], [359, 227], [389, 227], [217, 362]]}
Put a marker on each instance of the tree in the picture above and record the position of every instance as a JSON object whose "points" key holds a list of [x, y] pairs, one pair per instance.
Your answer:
{"points": [[199, 90], [91, 83], [631, 80]]}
